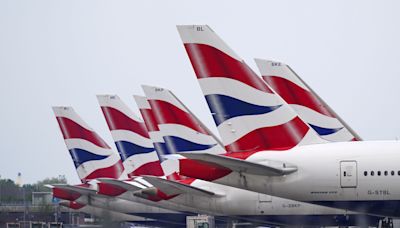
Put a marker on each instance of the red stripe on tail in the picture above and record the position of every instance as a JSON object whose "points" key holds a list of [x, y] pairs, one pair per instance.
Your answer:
{"points": [[113, 171], [149, 120], [208, 62], [151, 168], [71, 130], [281, 137], [174, 115], [294, 94], [117, 120]]}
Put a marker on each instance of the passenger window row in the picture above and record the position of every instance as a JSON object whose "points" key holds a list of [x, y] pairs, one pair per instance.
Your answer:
{"points": [[379, 173]]}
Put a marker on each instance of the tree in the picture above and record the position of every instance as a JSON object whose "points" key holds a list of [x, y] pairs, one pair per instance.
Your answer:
{"points": [[40, 186], [12, 193]]}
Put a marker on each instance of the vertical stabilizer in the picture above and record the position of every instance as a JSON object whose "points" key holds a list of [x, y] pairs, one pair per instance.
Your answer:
{"points": [[310, 107], [131, 137], [92, 157], [248, 115], [181, 130], [169, 166]]}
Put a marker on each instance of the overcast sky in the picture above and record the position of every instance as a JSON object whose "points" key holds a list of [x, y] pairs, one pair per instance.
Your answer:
{"points": [[65, 52]]}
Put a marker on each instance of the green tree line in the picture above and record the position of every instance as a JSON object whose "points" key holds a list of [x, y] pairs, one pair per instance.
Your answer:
{"points": [[10, 192]]}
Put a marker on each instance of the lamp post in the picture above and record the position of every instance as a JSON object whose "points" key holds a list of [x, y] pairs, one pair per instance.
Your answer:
{"points": [[23, 193]]}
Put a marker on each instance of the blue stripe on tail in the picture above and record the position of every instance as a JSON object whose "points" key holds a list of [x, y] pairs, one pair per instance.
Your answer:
{"points": [[127, 149], [161, 148], [325, 131], [80, 156], [225, 107], [176, 145]]}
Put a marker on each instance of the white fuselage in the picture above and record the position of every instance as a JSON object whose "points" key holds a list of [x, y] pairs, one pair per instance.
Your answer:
{"points": [[251, 206], [239, 202], [344, 175]]}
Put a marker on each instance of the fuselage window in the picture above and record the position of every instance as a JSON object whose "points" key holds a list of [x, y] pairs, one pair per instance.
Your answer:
{"points": [[392, 172], [379, 173], [398, 173], [386, 173], [372, 173], [365, 173]]}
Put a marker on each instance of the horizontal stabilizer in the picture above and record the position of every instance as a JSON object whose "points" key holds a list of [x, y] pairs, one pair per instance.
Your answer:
{"points": [[170, 187], [71, 204], [81, 190], [49, 186], [128, 186], [265, 167]]}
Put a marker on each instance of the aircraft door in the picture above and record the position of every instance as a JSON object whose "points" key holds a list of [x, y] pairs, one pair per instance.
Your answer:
{"points": [[348, 174], [264, 203]]}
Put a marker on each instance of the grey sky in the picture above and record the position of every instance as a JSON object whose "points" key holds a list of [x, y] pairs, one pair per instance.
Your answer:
{"points": [[66, 52]]}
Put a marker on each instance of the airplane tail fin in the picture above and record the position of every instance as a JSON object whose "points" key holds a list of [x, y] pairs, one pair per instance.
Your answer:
{"points": [[181, 130], [249, 116], [91, 155], [151, 125], [170, 166], [310, 107], [131, 137]]}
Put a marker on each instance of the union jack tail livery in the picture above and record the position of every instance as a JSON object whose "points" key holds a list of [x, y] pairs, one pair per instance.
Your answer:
{"points": [[151, 125], [309, 106], [249, 116], [183, 133], [181, 130], [92, 157], [170, 167], [131, 137]]}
